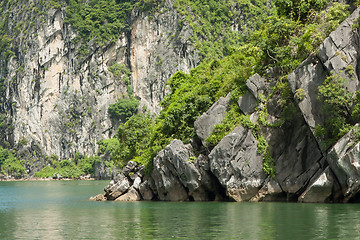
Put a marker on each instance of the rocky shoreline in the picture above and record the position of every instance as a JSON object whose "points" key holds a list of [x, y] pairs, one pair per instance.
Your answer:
{"points": [[303, 167]]}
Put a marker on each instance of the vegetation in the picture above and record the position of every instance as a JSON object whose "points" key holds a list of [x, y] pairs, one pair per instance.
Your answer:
{"points": [[235, 38], [123, 109], [74, 168], [9, 164], [337, 107], [282, 41]]}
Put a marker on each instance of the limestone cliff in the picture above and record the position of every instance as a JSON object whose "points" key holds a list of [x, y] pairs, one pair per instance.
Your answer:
{"points": [[57, 100]]}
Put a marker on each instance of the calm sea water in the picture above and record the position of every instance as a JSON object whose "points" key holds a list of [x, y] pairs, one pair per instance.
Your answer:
{"points": [[61, 210]]}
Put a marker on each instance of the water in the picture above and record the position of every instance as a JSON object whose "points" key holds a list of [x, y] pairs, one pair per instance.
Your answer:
{"points": [[61, 210]]}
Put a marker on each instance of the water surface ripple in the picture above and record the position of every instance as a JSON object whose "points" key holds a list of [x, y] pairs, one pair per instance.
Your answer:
{"points": [[61, 210]]}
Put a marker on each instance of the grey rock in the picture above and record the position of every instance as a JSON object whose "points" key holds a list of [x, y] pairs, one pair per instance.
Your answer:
{"points": [[256, 85], [99, 197], [179, 176], [344, 161], [137, 183], [146, 191], [205, 124], [270, 191], [101, 171], [61, 99], [336, 53], [237, 165], [130, 167], [114, 191], [320, 190], [247, 103], [131, 196], [167, 185]]}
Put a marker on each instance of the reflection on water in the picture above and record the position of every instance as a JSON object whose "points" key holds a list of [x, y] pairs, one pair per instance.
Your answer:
{"points": [[60, 210]]}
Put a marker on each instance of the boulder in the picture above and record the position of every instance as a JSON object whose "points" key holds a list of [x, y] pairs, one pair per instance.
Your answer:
{"points": [[99, 197], [178, 175], [321, 190], [168, 185], [344, 161], [296, 154], [146, 191], [136, 183], [256, 85], [237, 165], [247, 103], [205, 124], [117, 189], [131, 196], [270, 191]]}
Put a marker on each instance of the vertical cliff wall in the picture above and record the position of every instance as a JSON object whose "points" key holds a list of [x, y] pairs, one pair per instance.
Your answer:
{"points": [[57, 99]]}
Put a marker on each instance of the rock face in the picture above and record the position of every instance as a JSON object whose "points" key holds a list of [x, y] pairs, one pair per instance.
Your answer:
{"points": [[337, 53], [237, 165], [61, 98], [321, 189], [179, 176], [205, 124], [344, 161], [125, 186]]}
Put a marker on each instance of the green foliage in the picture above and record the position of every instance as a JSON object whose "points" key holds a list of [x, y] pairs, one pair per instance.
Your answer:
{"points": [[123, 109], [9, 164], [232, 119], [134, 138], [108, 146], [286, 40], [120, 71], [299, 94], [334, 93], [337, 106], [212, 23], [268, 161], [299, 10], [98, 20], [103, 21], [74, 168]]}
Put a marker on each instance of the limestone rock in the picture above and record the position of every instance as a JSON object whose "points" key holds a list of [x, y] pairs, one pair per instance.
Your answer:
{"points": [[168, 182], [344, 161], [336, 53], [237, 165], [146, 191], [256, 85], [131, 196], [61, 98], [114, 191], [137, 183], [99, 197], [247, 103], [296, 154], [205, 124], [320, 190], [178, 175]]}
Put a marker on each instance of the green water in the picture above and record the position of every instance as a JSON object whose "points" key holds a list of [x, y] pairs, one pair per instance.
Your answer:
{"points": [[61, 210]]}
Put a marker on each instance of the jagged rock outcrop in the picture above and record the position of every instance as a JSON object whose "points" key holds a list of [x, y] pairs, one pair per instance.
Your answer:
{"points": [[344, 161], [205, 124], [321, 190], [179, 176], [338, 53], [237, 165], [126, 185]]}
